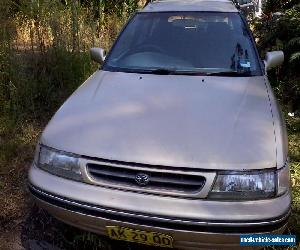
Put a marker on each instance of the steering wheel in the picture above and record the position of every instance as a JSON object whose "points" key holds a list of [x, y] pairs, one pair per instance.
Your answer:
{"points": [[149, 47]]}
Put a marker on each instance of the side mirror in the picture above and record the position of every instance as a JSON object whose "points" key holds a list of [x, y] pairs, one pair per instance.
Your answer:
{"points": [[274, 59], [97, 54]]}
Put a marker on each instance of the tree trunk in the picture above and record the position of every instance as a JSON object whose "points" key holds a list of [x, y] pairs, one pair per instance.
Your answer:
{"points": [[75, 28]]}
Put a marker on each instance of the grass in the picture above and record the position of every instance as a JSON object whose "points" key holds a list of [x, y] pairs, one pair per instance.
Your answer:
{"points": [[17, 143], [16, 151], [293, 125]]}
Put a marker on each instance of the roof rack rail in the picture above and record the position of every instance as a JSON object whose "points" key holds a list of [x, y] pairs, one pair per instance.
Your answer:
{"points": [[235, 2]]}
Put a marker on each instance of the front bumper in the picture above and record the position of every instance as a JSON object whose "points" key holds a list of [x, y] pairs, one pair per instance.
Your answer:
{"points": [[218, 224]]}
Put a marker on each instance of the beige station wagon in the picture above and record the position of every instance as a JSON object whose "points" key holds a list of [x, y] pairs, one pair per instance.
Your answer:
{"points": [[176, 141]]}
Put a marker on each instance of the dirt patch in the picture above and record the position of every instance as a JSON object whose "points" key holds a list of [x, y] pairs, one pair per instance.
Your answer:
{"points": [[11, 239]]}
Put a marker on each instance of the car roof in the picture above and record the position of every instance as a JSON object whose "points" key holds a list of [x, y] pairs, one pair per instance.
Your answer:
{"points": [[190, 5]]}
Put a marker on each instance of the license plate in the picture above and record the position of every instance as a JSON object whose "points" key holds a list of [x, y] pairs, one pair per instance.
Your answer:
{"points": [[143, 237]]}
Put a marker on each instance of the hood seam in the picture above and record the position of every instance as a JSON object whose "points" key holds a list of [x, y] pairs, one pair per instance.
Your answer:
{"points": [[271, 110]]}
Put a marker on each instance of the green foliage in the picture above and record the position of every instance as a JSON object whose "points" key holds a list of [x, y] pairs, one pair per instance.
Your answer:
{"points": [[294, 41], [282, 33], [37, 84], [45, 80], [295, 57], [271, 6], [44, 50], [294, 45]]}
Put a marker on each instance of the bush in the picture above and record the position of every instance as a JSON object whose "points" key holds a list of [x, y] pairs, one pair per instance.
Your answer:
{"points": [[282, 32], [44, 50]]}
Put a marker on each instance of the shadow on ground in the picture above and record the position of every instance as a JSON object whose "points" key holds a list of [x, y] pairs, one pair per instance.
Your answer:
{"points": [[41, 231]]}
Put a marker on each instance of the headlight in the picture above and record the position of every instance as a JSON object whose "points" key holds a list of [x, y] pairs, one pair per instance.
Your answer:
{"points": [[244, 185], [59, 163]]}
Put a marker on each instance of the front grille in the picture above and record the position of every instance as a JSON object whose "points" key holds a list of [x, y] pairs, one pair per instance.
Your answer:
{"points": [[158, 180]]}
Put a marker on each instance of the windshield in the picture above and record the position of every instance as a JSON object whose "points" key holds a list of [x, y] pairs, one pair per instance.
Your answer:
{"points": [[184, 42]]}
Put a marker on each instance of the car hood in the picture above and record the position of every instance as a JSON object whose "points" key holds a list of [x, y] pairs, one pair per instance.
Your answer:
{"points": [[180, 121]]}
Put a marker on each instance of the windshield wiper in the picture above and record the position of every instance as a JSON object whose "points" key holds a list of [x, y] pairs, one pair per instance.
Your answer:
{"points": [[163, 71], [196, 72], [231, 73]]}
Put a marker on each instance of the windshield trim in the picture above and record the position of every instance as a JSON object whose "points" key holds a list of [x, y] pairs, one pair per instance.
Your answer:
{"points": [[259, 72]]}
